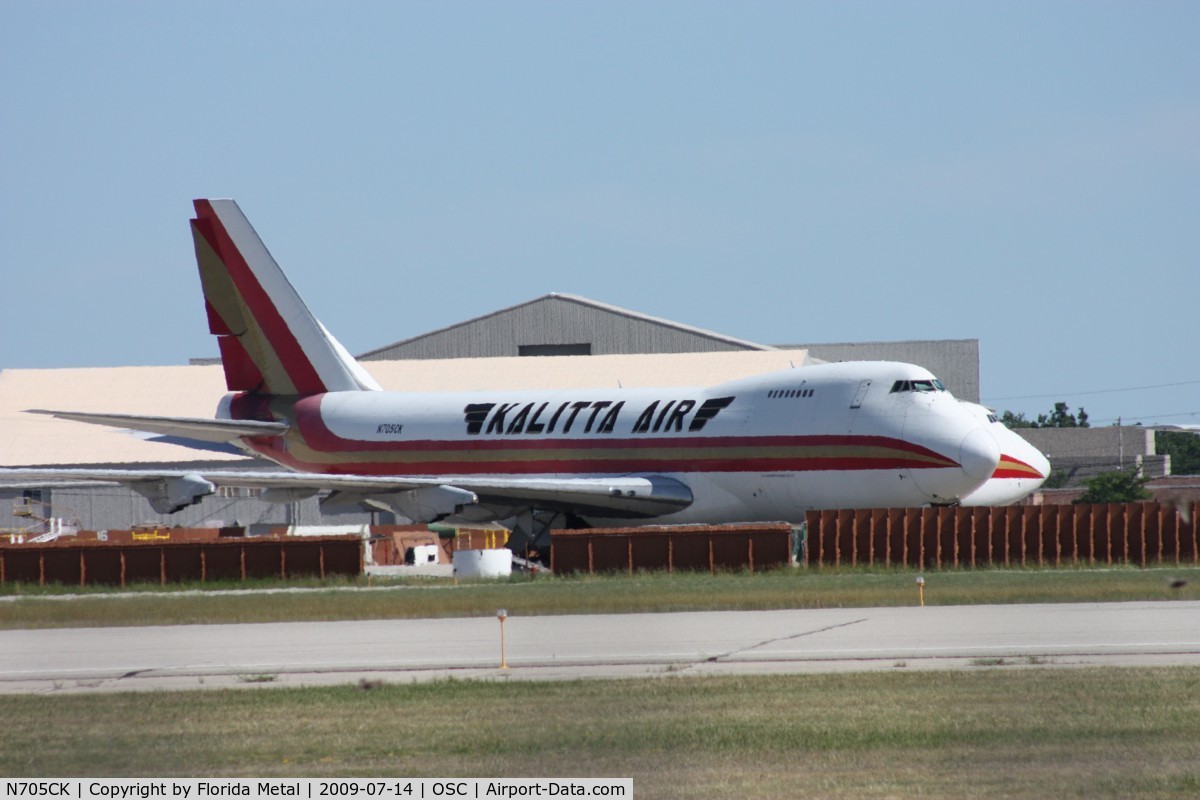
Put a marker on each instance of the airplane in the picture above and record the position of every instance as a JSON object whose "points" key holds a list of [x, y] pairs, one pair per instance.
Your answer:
{"points": [[1022, 468], [767, 447]]}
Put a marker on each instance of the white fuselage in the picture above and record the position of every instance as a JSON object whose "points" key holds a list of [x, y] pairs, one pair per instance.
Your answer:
{"points": [[767, 447]]}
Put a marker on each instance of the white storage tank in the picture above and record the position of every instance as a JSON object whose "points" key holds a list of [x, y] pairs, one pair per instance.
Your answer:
{"points": [[483, 563]]}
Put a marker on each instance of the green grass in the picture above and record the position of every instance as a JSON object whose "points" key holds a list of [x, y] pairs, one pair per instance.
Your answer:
{"points": [[38, 607], [976, 733], [995, 729]]}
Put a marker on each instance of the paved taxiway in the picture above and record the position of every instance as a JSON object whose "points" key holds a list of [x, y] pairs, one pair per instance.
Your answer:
{"points": [[555, 647]]}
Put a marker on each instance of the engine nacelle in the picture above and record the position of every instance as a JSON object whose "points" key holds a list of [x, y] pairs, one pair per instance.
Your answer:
{"points": [[427, 503], [168, 495]]}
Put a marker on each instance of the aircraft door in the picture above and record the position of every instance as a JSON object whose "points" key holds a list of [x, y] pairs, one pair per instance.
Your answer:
{"points": [[859, 395], [850, 415]]}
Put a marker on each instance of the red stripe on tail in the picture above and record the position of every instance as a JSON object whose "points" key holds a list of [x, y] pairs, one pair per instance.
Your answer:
{"points": [[279, 336]]}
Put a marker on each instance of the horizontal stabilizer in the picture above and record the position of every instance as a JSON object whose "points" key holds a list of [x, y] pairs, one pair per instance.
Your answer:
{"points": [[205, 430]]}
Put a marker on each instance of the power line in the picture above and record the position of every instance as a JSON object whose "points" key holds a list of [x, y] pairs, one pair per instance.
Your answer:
{"points": [[1094, 391], [1127, 418]]}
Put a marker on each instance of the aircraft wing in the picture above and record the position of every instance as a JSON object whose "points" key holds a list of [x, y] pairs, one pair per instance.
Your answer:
{"points": [[205, 430], [420, 499], [622, 496]]}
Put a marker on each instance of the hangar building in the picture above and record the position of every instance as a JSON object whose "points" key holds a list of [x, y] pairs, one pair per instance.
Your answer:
{"points": [[568, 325]]}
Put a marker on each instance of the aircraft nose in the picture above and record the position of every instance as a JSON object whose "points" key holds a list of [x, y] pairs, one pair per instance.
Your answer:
{"points": [[979, 454], [1041, 464]]}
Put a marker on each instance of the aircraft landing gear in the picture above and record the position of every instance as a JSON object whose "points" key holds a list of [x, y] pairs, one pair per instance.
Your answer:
{"points": [[530, 536]]}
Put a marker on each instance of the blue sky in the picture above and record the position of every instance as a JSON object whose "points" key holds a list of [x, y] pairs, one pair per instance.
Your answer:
{"points": [[1027, 174]]}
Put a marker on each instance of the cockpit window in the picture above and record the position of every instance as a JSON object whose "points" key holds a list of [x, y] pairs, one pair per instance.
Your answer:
{"points": [[919, 386]]}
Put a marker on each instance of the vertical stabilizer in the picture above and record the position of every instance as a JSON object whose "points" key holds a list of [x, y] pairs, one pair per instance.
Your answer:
{"points": [[270, 342]]}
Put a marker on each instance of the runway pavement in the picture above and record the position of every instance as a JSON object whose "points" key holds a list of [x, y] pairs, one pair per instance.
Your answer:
{"points": [[561, 647]]}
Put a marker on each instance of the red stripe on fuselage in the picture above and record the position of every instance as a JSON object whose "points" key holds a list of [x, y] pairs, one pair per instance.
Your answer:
{"points": [[593, 467], [537, 454], [287, 348], [1010, 467], [311, 425]]}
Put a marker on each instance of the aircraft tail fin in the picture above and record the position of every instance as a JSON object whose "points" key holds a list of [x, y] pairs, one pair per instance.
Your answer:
{"points": [[270, 342]]}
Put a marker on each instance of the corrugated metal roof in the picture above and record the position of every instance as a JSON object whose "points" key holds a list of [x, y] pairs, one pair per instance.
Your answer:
{"points": [[553, 372], [955, 361], [526, 319], [194, 391]]}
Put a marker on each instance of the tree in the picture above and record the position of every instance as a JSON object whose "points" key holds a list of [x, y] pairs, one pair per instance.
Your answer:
{"points": [[1182, 447], [1115, 487], [1060, 417], [1012, 420], [1058, 478]]}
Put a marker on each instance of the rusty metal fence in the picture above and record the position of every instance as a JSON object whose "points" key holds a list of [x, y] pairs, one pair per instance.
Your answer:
{"points": [[121, 563], [666, 547], [1049, 535]]}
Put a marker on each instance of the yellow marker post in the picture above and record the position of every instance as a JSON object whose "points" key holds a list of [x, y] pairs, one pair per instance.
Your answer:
{"points": [[502, 615], [921, 589]]}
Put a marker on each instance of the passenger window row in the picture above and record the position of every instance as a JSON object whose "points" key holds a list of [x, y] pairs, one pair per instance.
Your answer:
{"points": [[778, 393]]}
